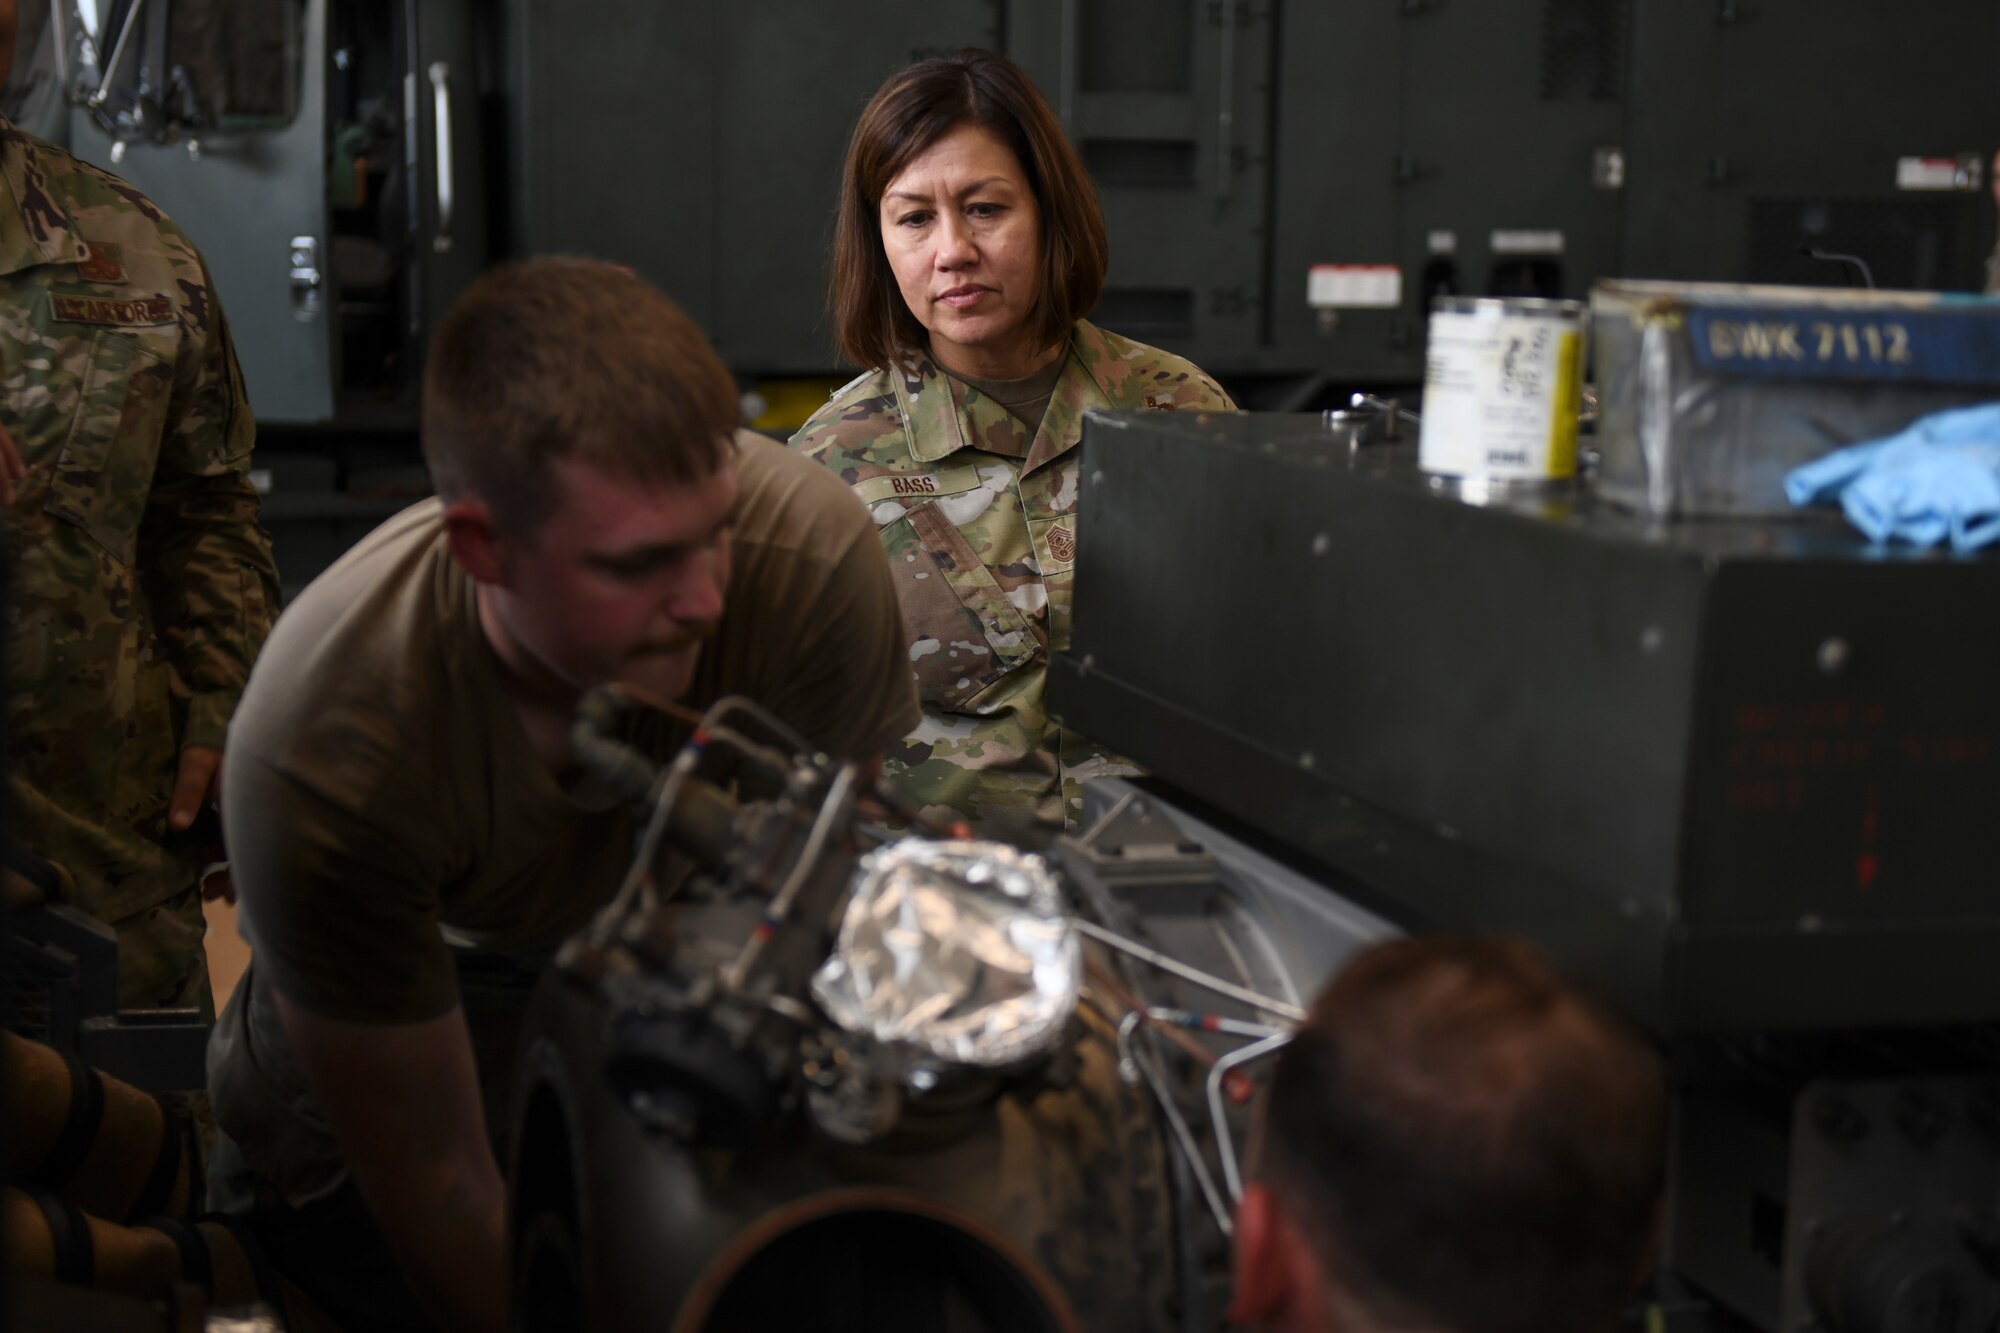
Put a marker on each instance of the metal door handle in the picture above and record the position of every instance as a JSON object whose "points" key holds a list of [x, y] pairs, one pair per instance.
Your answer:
{"points": [[441, 101], [306, 279]]}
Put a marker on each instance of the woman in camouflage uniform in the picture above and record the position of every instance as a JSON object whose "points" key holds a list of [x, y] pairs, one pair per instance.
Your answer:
{"points": [[968, 248]]}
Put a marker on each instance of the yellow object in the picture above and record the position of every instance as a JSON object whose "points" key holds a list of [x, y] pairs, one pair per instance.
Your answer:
{"points": [[789, 404], [1568, 403]]}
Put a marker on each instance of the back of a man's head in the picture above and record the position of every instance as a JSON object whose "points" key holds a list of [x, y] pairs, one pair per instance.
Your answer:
{"points": [[569, 358], [1465, 1143]]}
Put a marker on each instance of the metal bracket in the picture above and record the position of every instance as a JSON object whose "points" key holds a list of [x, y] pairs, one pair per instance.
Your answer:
{"points": [[306, 278]]}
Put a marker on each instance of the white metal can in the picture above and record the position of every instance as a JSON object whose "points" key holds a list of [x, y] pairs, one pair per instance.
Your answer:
{"points": [[1502, 386]]}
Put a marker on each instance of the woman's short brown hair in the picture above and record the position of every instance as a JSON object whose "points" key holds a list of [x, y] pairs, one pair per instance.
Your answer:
{"points": [[909, 113], [569, 358]]}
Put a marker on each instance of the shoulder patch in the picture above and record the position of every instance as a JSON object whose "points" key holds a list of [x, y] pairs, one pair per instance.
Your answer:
{"points": [[101, 263]]}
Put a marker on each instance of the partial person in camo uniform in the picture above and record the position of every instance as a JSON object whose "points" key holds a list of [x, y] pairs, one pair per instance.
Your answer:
{"points": [[968, 248], [1993, 260], [140, 585]]}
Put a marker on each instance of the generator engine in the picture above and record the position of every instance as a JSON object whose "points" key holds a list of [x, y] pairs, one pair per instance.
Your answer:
{"points": [[819, 1061]]}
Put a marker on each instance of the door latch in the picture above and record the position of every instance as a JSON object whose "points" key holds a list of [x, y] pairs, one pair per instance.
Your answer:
{"points": [[306, 279]]}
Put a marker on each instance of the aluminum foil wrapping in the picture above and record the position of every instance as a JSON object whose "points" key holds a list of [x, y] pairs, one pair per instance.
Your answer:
{"points": [[953, 953]]}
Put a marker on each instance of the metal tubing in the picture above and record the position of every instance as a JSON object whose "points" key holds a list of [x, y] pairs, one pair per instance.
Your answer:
{"points": [[57, 21], [1291, 1013], [103, 93], [440, 74], [1225, 1146], [649, 846], [1230, 1027], [1090, 835], [839, 798], [1128, 1050]]}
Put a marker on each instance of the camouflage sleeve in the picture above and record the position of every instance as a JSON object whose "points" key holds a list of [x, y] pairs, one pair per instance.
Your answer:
{"points": [[855, 419], [1202, 392], [209, 566], [818, 439]]}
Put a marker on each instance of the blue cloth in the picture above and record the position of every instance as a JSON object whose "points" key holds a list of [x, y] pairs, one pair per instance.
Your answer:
{"points": [[1938, 480]]}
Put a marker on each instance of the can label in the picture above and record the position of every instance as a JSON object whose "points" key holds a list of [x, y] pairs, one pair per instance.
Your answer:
{"points": [[1501, 392]]}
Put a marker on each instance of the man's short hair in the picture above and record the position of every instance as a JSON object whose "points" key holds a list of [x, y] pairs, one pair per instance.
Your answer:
{"points": [[1468, 1142], [569, 358], [909, 113]]}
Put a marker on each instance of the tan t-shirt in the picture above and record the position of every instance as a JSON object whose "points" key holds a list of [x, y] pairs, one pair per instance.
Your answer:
{"points": [[381, 790], [1026, 399]]}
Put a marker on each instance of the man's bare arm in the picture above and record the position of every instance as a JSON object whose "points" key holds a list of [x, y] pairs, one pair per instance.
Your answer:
{"points": [[403, 1102]]}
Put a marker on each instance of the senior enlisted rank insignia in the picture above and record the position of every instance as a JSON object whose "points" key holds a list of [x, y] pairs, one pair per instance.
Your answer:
{"points": [[1062, 545]]}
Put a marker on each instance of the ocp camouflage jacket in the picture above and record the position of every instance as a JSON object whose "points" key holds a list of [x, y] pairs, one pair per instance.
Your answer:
{"points": [[141, 584], [979, 521]]}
